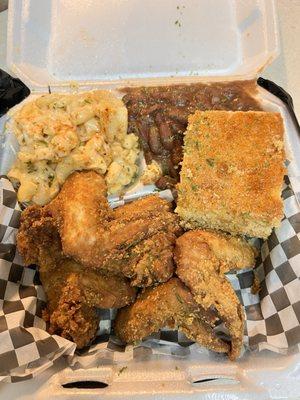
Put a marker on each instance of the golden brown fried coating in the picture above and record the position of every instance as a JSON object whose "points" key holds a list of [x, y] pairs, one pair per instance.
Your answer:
{"points": [[207, 299], [38, 240], [70, 316], [201, 258], [135, 241], [115, 242], [98, 290], [73, 292], [169, 304], [150, 260], [233, 252]]}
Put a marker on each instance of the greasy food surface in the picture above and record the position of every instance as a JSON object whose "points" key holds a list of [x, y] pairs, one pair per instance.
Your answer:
{"points": [[171, 305], [135, 240], [158, 115], [202, 258], [62, 133], [232, 172], [73, 292]]}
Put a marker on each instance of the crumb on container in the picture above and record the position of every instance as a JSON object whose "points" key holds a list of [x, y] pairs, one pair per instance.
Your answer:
{"points": [[255, 288]]}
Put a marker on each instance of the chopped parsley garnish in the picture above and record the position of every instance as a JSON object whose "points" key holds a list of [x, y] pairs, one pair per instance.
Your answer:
{"points": [[30, 167], [179, 298], [122, 370], [210, 162], [50, 179]]}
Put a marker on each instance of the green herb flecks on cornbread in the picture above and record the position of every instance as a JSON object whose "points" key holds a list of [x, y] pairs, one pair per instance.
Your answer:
{"points": [[232, 172]]}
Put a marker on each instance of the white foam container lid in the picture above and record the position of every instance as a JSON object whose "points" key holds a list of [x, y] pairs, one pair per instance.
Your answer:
{"points": [[112, 43], [109, 41]]}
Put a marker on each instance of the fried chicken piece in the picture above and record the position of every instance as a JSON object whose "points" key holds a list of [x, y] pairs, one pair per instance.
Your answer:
{"points": [[233, 252], [199, 307], [202, 258], [73, 292], [116, 242], [73, 296], [38, 239], [98, 290], [149, 261], [70, 316], [169, 304]]}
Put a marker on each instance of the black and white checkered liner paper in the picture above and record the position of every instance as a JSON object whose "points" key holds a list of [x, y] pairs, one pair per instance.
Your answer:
{"points": [[272, 315]]}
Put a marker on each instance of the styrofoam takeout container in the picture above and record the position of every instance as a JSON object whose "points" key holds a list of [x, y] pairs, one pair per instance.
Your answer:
{"points": [[114, 43]]}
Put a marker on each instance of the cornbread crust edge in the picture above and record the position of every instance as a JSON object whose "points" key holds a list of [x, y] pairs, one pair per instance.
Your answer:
{"points": [[232, 172]]}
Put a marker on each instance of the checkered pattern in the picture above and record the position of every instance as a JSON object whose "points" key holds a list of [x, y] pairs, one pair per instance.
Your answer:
{"points": [[272, 315], [24, 341], [276, 322]]}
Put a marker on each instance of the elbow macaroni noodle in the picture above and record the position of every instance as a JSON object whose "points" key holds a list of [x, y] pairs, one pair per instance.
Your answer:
{"points": [[62, 133]]}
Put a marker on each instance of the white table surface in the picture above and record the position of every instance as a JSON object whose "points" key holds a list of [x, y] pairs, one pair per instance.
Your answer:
{"points": [[285, 71]]}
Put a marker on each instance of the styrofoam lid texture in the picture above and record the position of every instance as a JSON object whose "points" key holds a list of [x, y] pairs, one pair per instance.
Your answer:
{"points": [[55, 42]]}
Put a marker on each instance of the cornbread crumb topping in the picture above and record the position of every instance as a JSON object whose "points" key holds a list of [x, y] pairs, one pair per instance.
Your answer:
{"points": [[232, 172]]}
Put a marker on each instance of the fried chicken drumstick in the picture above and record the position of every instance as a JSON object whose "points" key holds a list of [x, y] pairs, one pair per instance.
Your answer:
{"points": [[199, 300]]}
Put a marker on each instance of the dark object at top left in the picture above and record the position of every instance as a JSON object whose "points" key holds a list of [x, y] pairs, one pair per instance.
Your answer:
{"points": [[12, 92]]}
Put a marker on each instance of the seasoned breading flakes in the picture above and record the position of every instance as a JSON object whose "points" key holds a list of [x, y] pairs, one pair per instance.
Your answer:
{"points": [[232, 172], [199, 299]]}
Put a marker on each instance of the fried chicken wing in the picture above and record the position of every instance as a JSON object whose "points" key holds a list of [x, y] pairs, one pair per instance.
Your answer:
{"points": [[73, 292], [232, 252], [135, 240], [98, 290], [169, 304], [200, 300], [73, 296], [202, 258]]}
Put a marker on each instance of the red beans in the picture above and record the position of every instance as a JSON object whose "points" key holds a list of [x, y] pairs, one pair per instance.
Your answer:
{"points": [[165, 182], [154, 140], [166, 136]]}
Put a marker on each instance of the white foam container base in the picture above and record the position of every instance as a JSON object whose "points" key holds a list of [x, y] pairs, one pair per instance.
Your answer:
{"points": [[259, 376], [114, 43]]}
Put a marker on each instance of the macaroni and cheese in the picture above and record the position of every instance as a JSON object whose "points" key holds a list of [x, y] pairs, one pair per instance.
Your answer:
{"points": [[61, 133]]}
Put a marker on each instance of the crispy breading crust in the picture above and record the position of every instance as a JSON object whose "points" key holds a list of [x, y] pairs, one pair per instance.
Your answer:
{"points": [[72, 318], [135, 240], [232, 172], [97, 290], [169, 304], [202, 258], [207, 299], [73, 292]]}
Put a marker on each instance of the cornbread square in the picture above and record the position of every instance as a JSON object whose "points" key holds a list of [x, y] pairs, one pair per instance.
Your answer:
{"points": [[232, 172]]}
